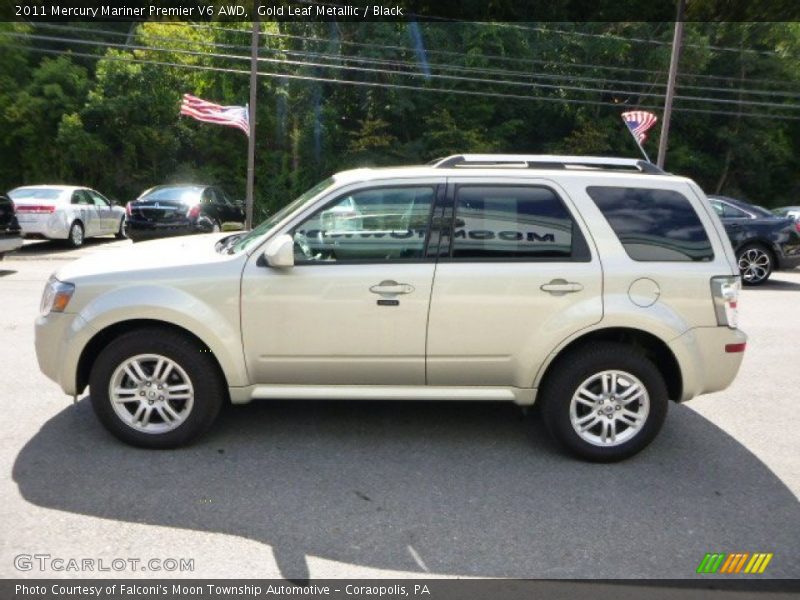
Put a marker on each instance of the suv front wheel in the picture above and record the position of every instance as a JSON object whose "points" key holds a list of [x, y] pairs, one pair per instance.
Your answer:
{"points": [[604, 402], [156, 388]]}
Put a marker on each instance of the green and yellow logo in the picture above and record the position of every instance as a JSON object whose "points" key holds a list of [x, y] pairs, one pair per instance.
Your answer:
{"points": [[737, 562]]}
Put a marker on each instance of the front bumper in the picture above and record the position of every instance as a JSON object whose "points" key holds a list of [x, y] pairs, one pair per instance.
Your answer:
{"points": [[705, 363], [787, 263], [9, 243], [59, 340]]}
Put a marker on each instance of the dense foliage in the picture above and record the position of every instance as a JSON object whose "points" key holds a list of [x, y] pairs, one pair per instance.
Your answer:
{"points": [[97, 104]]}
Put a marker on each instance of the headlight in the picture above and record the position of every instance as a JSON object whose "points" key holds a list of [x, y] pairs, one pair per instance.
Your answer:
{"points": [[56, 296]]}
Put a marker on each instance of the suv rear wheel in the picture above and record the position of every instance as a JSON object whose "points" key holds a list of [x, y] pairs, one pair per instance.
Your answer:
{"points": [[156, 388], [604, 402]]}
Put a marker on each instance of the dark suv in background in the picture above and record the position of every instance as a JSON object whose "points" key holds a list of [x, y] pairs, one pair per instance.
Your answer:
{"points": [[10, 232], [763, 242], [181, 209]]}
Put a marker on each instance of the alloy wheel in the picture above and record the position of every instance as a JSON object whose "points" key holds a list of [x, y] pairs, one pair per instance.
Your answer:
{"points": [[754, 265], [151, 393], [609, 408]]}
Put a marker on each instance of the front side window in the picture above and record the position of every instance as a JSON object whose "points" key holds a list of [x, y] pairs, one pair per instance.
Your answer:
{"points": [[377, 224], [514, 222], [652, 224], [98, 200]]}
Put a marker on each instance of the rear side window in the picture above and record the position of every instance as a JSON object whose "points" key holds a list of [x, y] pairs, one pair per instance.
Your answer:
{"points": [[514, 222], [653, 225]]}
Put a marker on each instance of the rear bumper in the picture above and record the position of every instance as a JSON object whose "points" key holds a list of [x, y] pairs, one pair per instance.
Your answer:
{"points": [[148, 230], [50, 226], [709, 358]]}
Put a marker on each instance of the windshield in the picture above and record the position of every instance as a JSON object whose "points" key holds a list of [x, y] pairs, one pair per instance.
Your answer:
{"points": [[178, 193], [35, 194], [246, 239]]}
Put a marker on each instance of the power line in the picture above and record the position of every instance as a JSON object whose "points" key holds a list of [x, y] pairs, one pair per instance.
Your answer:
{"points": [[445, 67], [604, 36], [705, 100], [496, 57], [282, 76]]}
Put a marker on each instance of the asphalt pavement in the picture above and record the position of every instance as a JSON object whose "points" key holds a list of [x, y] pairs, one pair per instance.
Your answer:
{"points": [[376, 489]]}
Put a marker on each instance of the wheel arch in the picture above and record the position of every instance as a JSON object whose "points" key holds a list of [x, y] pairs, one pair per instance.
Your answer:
{"points": [[106, 335], [654, 348], [762, 243]]}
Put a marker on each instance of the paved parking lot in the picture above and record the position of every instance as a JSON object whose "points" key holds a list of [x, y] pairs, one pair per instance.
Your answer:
{"points": [[400, 489]]}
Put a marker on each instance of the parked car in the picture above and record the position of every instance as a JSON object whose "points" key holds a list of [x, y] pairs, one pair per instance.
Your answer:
{"points": [[601, 288], [762, 241], [788, 211], [10, 232], [181, 209], [65, 212]]}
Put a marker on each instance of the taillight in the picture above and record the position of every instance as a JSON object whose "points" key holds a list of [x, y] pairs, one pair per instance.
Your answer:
{"points": [[725, 292], [128, 209], [797, 225], [35, 208], [193, 212]]}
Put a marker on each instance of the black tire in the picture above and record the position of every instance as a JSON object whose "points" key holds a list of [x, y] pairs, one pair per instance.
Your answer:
{"points": [[572, 370], [189, 355], [75, 236], [756, 264], [120, 235]]}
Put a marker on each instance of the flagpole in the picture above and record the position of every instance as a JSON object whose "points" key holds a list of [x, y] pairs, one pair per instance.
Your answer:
{"points": [[633, 135], [251, 107]]}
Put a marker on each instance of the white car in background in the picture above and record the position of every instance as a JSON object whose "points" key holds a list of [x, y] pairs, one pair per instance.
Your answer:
{"points": [[64, 212]]}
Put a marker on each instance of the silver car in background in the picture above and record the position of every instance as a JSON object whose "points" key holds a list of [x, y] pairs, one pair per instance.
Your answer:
{"points": [[63, 212]]}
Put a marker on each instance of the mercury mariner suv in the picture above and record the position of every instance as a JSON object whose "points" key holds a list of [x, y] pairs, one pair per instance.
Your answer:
{"points": [[598, 288]]}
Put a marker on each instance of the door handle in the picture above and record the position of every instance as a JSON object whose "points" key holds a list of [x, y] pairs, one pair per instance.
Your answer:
{"points": [[559, 287], [391, 288]]}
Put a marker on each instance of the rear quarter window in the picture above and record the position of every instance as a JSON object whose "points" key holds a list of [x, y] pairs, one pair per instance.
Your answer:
{"points": [[653, 224]]}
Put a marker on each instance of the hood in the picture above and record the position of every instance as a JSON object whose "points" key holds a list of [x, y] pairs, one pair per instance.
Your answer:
{"points": [[154, 257]]}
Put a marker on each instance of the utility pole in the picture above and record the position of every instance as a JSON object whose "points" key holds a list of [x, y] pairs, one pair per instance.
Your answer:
{"points": [[251, 141], [673, 72]]}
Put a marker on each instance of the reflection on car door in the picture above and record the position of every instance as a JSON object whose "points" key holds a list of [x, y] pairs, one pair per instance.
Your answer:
{"points": [[105, 213], [517, 277], [353, 310]]}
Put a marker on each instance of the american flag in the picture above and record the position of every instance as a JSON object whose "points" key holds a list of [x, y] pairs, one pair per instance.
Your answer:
{"points": [[639, 121], [208, 112]]}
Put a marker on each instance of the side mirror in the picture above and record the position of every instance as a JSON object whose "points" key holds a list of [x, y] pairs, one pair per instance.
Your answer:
{"points": [[279, 253]]}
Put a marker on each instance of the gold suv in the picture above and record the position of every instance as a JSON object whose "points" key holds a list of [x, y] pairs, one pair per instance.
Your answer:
{"points": [[599, 288]]}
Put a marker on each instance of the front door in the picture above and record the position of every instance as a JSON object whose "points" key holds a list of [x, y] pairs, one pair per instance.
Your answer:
{"points": [[353, 309], [516, 279]]}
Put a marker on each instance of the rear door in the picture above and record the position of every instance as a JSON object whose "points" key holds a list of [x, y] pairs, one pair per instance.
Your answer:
{"points": [[515, 277], [84, 209], [106, 218], [736, 221]]}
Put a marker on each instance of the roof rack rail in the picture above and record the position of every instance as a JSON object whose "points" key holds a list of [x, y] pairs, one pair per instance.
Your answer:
{"points": [[545, 161]]}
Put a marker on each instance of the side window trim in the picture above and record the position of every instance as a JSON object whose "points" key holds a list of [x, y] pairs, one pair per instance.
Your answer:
{"points": [[580, 246]]}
